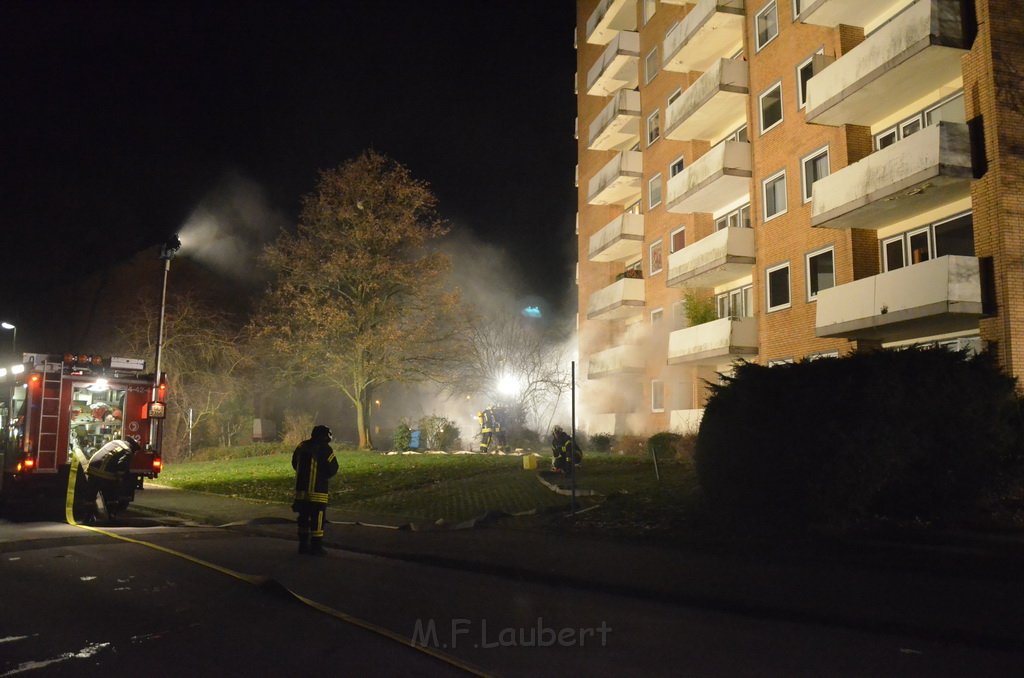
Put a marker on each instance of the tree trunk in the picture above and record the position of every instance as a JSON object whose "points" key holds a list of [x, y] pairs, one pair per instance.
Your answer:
{"points": [[363, 420]]}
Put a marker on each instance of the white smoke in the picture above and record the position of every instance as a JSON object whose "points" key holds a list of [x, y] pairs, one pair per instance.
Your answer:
{"points": [[228, 229]]}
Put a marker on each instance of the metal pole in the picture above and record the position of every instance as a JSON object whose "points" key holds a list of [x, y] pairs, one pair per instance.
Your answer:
{"points": [[159, 347], [572, 444]]}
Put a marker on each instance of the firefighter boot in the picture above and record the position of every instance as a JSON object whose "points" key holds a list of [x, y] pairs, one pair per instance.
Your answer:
{"points": [[316, 547], [303, 543]]}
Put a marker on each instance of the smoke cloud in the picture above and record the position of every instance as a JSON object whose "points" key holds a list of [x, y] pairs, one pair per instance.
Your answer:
{"points": [[228, 229]]}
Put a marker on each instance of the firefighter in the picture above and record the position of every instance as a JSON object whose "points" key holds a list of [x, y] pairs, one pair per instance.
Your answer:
{"points": [[105, 472], [486, 419], [561, 445], [314, 463], [500, 435]]}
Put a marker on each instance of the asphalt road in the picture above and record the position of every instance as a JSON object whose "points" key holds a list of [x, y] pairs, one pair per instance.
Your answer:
{"points": [[80, 603]]}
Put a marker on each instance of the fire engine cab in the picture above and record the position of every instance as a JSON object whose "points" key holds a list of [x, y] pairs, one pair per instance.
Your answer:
{"points": [[56, 407]]}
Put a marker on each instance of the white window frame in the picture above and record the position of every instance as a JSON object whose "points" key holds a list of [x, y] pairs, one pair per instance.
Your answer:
{"points": [[649, 72], [801, 94], [764, 195], [768, 288], [645, 6], [771, 7], [657, 393], [885, 253], [672, 239], [654, 185], [657, 316], [805, 185], [796, 9], [681, 162], [655, 247], [777, 86], [811, 296], [653, 132]]}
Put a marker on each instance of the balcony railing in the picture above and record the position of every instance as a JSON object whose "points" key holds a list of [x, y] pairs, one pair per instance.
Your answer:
{"points": [[832, 13], [622, 238], [712, 29], [911, 56], [934, 297], [618, 124], [618, 182], [718, 178], [921, 172], [713, 106], [617, 67], [622, 299], [720, 257], [719, 342], [615, 361], [610, 17]]}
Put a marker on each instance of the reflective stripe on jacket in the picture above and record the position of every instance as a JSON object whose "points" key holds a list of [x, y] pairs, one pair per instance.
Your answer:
{"points": [[314, 463]]}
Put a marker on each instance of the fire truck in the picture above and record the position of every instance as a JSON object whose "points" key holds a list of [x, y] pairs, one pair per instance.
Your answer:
{"points": [[56, 407]]}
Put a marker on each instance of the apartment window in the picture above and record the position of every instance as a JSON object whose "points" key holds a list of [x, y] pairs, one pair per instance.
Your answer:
{"points": [[813, 167], [634, 270], [804, 72], [771, 107], [679, 319], [651, 66], [634, 208], [739, 135], [821, 272], [654, 261], [649, 7], [774, 192], [948, 110], [954, 235], [778, 287], [737, 218], [654, 191], [736, 303], [766, 24], [780, 361], [677, 239], [676, 167], [657, 395], [657, 315], [797, 8], [822, 354], [675, 95], [653, 127]]}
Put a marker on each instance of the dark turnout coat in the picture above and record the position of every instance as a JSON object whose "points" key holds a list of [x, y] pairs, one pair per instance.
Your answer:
{"points": [[314, 463]]}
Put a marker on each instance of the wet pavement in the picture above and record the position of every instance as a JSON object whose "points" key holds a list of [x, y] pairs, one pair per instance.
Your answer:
{"points": [[960, 588]]}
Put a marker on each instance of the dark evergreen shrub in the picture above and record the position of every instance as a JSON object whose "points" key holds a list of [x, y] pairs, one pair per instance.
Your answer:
{"points": [[664, 445], [601, 443], [917, 434]]}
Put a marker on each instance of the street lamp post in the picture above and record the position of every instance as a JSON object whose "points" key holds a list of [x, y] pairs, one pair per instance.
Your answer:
{"points": [[167, 252], [14, 336]]}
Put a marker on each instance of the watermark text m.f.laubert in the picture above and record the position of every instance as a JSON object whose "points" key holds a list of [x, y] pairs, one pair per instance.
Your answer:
{"points": [[465, 631]]}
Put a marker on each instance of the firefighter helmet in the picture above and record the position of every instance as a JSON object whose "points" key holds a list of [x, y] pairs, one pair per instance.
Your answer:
{"points": [[323, 433]]}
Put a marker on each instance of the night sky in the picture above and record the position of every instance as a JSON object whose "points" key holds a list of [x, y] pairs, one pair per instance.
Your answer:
{"points": [[119, 118]]}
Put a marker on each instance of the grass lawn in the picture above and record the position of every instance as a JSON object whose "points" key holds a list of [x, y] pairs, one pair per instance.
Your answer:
{"points": [[459, 487]]}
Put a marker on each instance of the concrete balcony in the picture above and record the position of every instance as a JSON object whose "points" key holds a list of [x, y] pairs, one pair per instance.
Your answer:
{"points": [[720, 257], [617, 67], [615, 361], [622, 299], [713, 29], [909, 57], [685, 421], [718, 342], [618, 182], [617, 126], [923, 171], [933, 297], [713, 106], [610, 17], [622, 238], [716, 179], [832, 13]]}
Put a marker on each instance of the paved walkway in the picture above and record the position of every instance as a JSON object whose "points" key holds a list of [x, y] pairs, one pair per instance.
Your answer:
{"points": [[968, 591]]}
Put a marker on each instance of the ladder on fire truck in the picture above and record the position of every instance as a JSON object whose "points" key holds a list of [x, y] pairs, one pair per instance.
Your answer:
{"points": [[49, 415]]}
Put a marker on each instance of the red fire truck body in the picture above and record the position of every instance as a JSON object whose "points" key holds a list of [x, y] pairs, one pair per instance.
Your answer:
{"points": [[57, 405]]}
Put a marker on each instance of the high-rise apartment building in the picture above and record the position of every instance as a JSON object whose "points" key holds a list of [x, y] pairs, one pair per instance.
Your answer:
{"points": [[776, 180]]}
